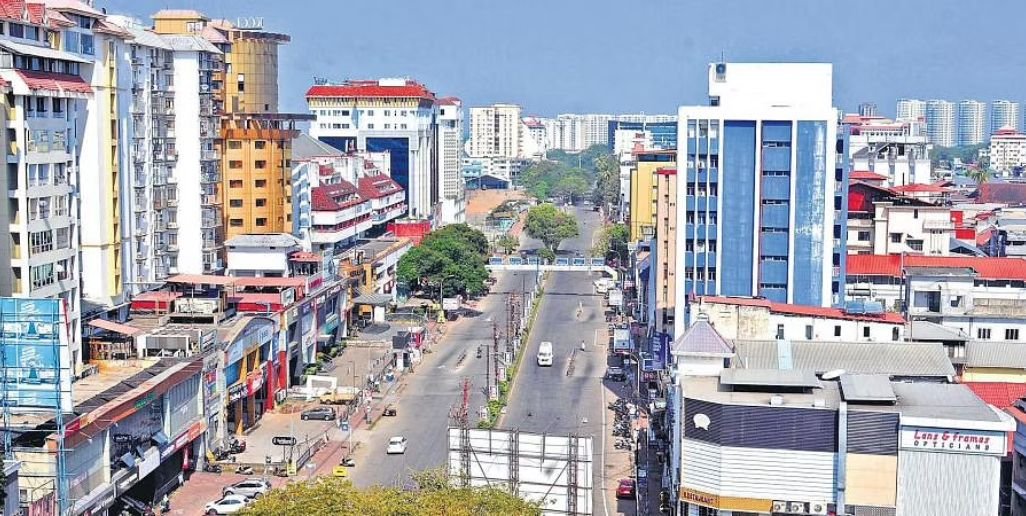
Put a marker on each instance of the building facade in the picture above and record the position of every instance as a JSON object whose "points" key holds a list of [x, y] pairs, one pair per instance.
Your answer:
{"points": [[897, 150], [942, 123], [972, 118], [1005, 113], [496, 131], [911, 110], [644, 197], [760, 161], [1007, 150], [450, 162]]}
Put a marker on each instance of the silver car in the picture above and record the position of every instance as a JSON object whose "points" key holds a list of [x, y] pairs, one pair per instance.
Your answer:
{"points": [[250, 488]]}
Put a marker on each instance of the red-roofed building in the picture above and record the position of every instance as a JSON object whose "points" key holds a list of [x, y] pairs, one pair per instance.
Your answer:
{"points": [[385, 88], [387, 201], [882, 221], [761, 319], [339, 214]]}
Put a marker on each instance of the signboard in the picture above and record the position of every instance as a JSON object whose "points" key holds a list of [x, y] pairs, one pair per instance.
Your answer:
{"points": [[288, 296], [236, 392], [616, 298], [621, 339], [35, 354], [283, 440], [953, 440], [450, 303], [197, 305]]}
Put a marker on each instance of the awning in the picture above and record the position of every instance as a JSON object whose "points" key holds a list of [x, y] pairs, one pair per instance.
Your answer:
{"points": [[324, 338], [55, 82], [38, 51], [123, 329], [373, 299]]}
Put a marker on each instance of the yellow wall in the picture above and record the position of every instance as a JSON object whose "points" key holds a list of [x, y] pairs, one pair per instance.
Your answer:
{"points": [[176, 22], [113, 206], [872, 480], [993, 374], [643, 196], [256, 60], [239, 167]]}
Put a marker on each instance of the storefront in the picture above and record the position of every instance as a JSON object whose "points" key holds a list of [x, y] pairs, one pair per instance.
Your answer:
{"points": [[245, 372]]}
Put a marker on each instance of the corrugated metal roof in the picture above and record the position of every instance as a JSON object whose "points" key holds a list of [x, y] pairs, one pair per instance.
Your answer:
{"points": [[305, 147], [980, 353], [933, 332], [867, 387], [892, 359], [190, 43], [891, 265], [942, 401], [769, 378]]}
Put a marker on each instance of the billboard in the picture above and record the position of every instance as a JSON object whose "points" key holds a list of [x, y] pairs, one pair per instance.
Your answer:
{"points": [[542, 464], [34, 352]]}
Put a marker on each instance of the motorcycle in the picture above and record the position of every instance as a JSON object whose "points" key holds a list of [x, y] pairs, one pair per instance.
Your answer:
{"points": [[236, 446], [347, 462], [212, 468], [244, 470]]}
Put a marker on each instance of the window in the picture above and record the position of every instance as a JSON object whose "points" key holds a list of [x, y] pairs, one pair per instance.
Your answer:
{"points": [[808, 332], [370, 126], [837, 331], [87, 44], [863, 236], [260, 145], [235, 223], [17, 30], [895, 238], [260, 164], [983, 333], [915, 214], [780, 331], [260, 203], [261, 183], [32, 33], [41, 242], [1011, 334], [235, 203], [194, 26], [235, 183], [235, 163], [370, 112], [865, 331], [63, 238], [42, 275], [915, 244], [235, 144], [894, 334], [261, 221]]}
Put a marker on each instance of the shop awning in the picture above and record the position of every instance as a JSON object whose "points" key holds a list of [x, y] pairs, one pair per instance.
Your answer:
{"points": [[373, 299], [123, 329]]}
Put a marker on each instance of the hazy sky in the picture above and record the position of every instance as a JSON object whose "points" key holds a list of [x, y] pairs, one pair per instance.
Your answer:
{"points": [[556, 56]]}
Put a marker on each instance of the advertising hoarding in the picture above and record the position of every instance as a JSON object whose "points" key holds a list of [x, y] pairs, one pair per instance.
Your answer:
{"points": [[953, 440], [35, 355]]}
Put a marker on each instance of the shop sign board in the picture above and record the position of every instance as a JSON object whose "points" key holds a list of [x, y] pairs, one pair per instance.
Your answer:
{"points": [[953, 440], [37, 360]]}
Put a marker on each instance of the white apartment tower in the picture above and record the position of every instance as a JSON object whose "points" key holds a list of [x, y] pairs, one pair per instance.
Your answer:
{"points": [[193, 205], [495, 132], [1004, 113], [972, 116], [449, 155], [911, 110], [942, 123]]}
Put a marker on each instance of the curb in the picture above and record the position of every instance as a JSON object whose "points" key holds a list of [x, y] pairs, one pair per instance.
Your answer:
{"points": [[527, 337]]}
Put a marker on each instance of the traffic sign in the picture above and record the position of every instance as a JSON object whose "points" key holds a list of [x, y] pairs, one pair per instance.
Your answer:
{"points": [[284, 440]]}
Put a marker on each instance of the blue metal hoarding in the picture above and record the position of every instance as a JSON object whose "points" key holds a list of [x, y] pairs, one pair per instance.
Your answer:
{"points": [[34, 353]]}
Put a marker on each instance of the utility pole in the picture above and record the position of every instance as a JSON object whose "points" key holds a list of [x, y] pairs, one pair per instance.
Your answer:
{"points": [[460, 416]]}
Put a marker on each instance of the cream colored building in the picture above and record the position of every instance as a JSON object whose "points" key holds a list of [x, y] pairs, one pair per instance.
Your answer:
{"points": [[1007, 150], [496, 131], [902, 228]]}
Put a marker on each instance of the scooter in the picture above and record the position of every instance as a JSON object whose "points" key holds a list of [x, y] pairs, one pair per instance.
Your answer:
{"points": [[347, 462], [212, 468], [244, 470], [236, 446]]}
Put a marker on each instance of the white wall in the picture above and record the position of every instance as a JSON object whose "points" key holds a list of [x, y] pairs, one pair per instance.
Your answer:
{"points": [[756, 472], [187, 169], [243, 259]]}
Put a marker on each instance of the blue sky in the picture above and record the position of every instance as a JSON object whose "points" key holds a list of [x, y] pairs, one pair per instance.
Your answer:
{"points": [[556, 56]]}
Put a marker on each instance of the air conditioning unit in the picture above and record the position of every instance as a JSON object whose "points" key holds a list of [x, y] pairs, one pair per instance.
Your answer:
{"points": [[818, 508], [796, 507], [778, 507]]}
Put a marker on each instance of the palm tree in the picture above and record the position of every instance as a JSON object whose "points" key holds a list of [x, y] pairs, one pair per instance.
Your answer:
{"points": [[979, 174]]}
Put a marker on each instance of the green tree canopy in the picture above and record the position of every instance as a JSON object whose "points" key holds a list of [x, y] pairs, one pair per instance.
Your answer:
{"points": [[607, 181], [451, 258], [612, 241], [508, 243], [430, 494], [550, 225]]}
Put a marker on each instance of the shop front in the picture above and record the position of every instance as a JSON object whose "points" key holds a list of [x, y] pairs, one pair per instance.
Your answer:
{"points": [[246, 370]]}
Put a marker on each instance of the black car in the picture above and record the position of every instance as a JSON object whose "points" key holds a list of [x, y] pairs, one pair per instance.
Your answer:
{"points": [[616, 374], [322, 413]]}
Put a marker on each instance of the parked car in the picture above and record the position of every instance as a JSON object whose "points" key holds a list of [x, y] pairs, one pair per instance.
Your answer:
{"points": [[230, 504], [250, 488], [616, 374], [396, 445], [625, 489], [322, 413]]}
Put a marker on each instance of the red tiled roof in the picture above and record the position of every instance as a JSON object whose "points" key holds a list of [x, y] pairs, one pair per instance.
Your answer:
{"points": [[808, 311], [919, 188], [1000, 394], [372, 89], [448, 101], [35, 13], [58, 20], [157, 295], [890, 265], [12, 9], [54, 82], [375, 187], [1013, 194], [323, 197], [109, 28], [865, 175], [305, 256], [984, 237]]}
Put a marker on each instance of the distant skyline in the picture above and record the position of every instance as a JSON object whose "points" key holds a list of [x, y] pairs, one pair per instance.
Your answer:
{"points": [[605, 56]]}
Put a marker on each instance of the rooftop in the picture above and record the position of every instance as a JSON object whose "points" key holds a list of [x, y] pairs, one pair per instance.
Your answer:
{"points": [[865, 175], [373, 89], [377, 186], [803, 310], [702, 338], [933, 332], [326, 197], [897, 359], [979, 353], [305, 147], [267, 240], [891, 265], [1011, 194], [1000, 394]]}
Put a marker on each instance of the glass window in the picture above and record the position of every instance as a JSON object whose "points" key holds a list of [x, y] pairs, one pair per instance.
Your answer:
{"points": [[71, 41], [1012, 334], [260, 144], [260, 164], [235, 203], [235, 223], [17, 30], [32, 33], [87, 44], [261, 183], [235, 183], [261, 221], [260, 203], [235, 164], [234, 144]]}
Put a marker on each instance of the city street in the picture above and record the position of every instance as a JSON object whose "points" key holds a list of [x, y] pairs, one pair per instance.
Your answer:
{"points": [[548, 399]]}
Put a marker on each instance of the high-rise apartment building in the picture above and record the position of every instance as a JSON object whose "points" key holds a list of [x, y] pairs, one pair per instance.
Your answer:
{"points": [[450, 160], [254, 140], [911, 110], [756, 168], [1007, 151], [972, 117], [868, 109], [495, 132], [394, 115], [942, 123], [1005, 113]]}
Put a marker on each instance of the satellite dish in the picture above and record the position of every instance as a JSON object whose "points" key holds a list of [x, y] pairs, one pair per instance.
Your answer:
{"points": [[833, 374]]}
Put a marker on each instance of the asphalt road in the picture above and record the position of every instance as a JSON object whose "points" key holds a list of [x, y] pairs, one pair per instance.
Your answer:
{"points": [[561, 399], [429, 394]]}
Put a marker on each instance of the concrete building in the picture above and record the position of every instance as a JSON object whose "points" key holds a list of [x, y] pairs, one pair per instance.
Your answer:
{"points": [[540, 131], [911, 110], [897, 150], [394, 115], [496, 131], [491, 173], [644, 198], [1005, 113], [450, 162], [942, 123], [578, 132], [759, 162], [881, 222], [663, 269], [1007, 150], [972, 119], [759, 319], [660, 130]]}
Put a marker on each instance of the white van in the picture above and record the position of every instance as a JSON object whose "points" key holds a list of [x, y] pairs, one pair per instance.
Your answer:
{"points": [[545, 354], [602, 285]]}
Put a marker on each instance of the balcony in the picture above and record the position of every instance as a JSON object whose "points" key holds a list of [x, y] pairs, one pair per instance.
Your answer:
{"points": [[211, 199], [209, 244], [172, 226], [208, 155], [209, 222]]}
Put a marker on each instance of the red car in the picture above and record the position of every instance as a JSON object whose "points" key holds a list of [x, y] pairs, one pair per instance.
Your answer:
{"points": [[625, 490]]}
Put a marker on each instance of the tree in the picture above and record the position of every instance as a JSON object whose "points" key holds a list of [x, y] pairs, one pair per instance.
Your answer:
{"points": [[607, 181], [447, 262], [550, 225], [429, 493], [508, 243], [612, 242], [979, 174], [571, 185]]}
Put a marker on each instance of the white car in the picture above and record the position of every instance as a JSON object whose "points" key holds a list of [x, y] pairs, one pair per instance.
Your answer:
{"points": [[230, 504], [396, 445], [251, 488]]}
